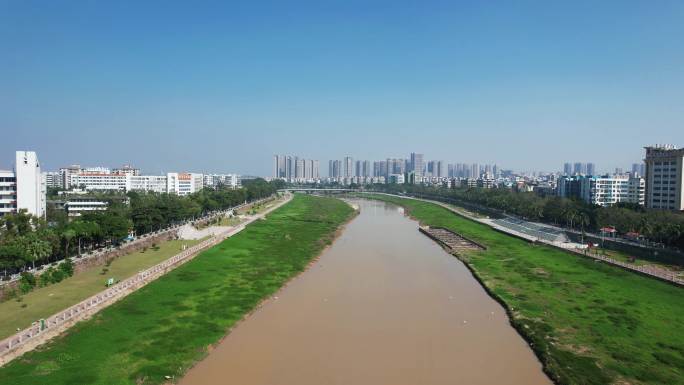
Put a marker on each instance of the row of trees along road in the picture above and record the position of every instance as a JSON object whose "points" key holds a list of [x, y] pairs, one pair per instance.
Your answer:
{"points": [[27, 241], [656, 225]]}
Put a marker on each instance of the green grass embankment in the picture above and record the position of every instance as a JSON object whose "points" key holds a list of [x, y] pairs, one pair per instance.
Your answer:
{"points": [[588, 322], [165, 327], [45, 301]]}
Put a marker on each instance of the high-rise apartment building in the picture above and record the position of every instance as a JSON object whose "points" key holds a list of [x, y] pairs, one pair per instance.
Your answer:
{"points": [[442, 169], [348, 167], [474, 171], [395, 166], [664, 179], [591, 169], [299, 169], [358, 168], [417, 166], [380, 168], [567, 169], [366, 169], [280, 166], [335, 169]]}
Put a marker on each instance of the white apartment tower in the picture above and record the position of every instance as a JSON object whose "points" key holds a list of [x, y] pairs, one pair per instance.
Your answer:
{"points": [[24, 188]]}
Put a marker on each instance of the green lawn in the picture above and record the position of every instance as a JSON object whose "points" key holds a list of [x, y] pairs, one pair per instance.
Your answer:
{"points": [[165, 327], [46, 301], [590, 323]]}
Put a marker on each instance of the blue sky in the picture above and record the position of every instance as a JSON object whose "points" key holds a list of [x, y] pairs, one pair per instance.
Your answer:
{"points": [[221, 86]]}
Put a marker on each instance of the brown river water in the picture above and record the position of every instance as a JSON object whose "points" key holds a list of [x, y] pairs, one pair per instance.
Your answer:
{"points": [[383, 305]]}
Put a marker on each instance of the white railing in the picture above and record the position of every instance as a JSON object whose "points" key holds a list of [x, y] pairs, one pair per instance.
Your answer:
{"points": [[85, 307]]}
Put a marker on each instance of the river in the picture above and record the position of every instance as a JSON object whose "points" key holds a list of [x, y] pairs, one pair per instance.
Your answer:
{"points": [[383, 305]]}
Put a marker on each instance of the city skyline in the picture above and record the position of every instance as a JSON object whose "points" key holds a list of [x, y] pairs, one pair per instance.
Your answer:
{"points": [[517, 85]]}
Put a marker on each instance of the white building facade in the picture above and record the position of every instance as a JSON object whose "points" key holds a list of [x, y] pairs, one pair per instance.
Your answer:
{"points": [[152, 183], [184, 183], [24, 188], [8, 192], [227, 180], [664, 180], [609, 190]]}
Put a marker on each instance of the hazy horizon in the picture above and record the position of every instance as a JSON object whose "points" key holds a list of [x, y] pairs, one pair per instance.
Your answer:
{"points": [[220, 87]]}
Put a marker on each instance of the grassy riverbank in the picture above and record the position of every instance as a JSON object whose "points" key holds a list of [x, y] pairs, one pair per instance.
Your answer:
{"points": [[589, 323], [45, 301], [165, 327]]}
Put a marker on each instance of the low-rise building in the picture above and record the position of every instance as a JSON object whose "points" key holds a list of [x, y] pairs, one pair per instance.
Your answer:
{"points": [[152, 183], [99, 180], [184, 183], [77, 206], [228, 180], [396, 178]]}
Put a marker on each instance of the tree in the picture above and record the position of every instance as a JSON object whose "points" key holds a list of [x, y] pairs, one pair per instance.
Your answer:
{"points": [[583, 221], [12, 255], [81, 230], [67, 236], [36, 248]]}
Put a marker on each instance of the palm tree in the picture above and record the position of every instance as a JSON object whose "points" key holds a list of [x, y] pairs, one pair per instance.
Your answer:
{"points": [[570, 215], [68, 235], [36, 248]]}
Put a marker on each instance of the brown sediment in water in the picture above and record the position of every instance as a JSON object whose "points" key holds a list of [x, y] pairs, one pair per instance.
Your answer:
{"points": [[383, 305]]}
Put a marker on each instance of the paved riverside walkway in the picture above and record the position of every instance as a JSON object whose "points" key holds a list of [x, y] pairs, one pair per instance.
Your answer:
{"points": [[44, 330], [650, 270]]}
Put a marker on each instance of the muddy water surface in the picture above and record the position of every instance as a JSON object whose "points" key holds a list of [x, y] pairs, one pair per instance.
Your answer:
{"points": [[383, 305]]}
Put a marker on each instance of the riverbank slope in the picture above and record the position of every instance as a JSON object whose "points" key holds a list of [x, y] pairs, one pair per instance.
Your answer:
{"points": [[589, 323], [167, 326]]}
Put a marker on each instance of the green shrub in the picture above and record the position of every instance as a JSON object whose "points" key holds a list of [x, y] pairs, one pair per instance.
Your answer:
{"points": [[57, 276], [27, 283], [67, 268], [44, 280]]}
